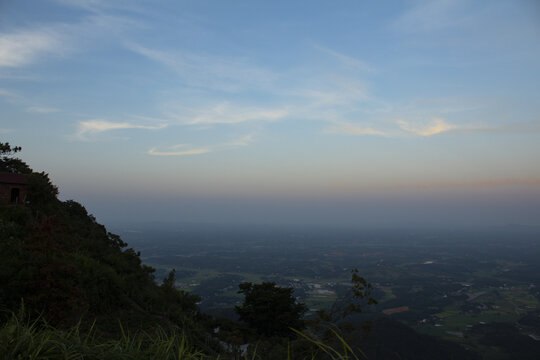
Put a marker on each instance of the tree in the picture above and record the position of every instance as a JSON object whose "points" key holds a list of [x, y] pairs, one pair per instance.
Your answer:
{"points": [[269, 309], [10, 164], [332, 321]]}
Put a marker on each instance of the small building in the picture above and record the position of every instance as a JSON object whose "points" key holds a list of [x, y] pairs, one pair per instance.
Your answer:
{"points": [[13, 188]]}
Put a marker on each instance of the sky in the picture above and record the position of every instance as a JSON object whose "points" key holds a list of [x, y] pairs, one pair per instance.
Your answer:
{"points": [[368, 113]]}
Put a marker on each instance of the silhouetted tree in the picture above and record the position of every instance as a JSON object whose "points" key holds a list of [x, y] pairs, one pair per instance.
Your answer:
{"points": [[10, 164], [269, 309]]}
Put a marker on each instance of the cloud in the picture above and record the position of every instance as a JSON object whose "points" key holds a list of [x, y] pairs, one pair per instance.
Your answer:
{"points": [[187, 150], [354, 129], [225, 113], [24, 47], [193, 151], [228, 74], [91, 127], [435, 126]]}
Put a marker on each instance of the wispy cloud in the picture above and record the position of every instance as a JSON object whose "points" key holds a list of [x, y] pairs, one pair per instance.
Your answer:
{"points": [[92, 127], [433, 127], [227, 113], [229, 74], [185, 150], [24, 47], [396, 129], [354, 129], [192, 151]]}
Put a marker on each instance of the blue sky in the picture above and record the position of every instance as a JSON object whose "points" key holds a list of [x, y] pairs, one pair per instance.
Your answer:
{"points": [[370, 113]]}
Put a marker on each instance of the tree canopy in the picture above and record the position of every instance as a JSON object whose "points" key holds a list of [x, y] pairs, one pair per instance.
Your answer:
{"points": [[10, 164], [269, 309]]}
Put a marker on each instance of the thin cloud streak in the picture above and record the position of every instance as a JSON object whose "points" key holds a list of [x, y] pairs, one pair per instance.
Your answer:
{"points": [[243, 141], [228, 74], [435, 126], [354, 129], [196, 151], [225, 113], [92, 127]]}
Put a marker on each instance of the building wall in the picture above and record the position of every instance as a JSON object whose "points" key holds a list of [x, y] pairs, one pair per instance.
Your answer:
{"points": [[6, 191]]}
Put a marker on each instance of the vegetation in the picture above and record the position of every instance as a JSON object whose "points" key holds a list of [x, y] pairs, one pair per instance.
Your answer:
{"points": [[270, 310], [25, 339]]}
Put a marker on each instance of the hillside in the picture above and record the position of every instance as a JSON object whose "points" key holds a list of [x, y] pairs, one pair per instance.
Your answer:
{"points": [[63, 266]]}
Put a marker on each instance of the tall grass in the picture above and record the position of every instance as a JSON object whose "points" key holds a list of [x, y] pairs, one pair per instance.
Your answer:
{"points": [[21, 339], [35, 340], [332, 353]]}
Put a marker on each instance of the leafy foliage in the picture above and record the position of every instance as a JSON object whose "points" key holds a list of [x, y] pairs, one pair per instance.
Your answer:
{"points": [[269, 309], [10, 164], [358, 297]]}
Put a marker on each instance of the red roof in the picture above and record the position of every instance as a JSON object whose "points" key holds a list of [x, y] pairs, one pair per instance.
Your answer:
{"points": [[396, 310], [10, 178]]}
